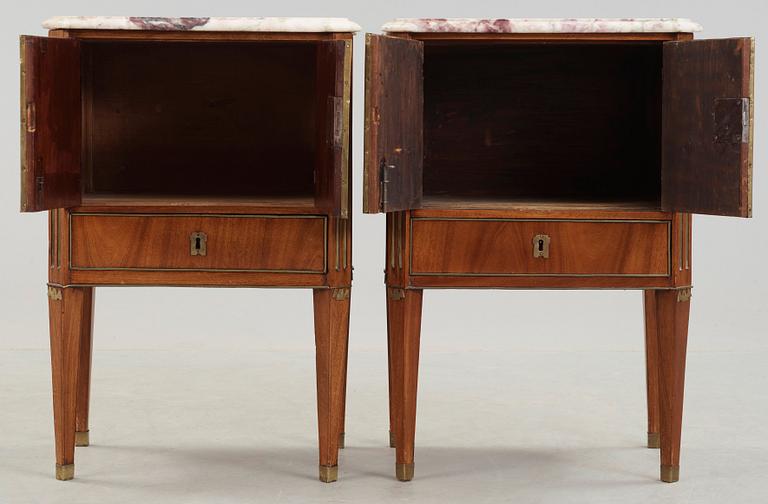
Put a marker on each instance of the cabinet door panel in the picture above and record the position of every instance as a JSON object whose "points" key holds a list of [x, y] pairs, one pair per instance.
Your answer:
{"points": [[50, 123], [334, 80], [707, 127], [394, 111]]}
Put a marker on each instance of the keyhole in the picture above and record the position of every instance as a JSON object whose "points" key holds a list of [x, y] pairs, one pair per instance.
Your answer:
{"points": [[197, 243], [541, 245]]}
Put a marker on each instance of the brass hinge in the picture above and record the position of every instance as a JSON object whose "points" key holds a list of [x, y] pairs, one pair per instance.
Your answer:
{"points": [[396, 294], [54, 293], [340, 294], [683, 294]]}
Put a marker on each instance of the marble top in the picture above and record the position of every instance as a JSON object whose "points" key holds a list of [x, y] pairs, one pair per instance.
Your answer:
{"points": [[543, 25], [249, 24]]}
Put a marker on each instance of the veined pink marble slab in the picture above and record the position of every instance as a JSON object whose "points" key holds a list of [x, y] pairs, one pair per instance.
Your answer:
{"points": [[255, 24], [543, 25]]}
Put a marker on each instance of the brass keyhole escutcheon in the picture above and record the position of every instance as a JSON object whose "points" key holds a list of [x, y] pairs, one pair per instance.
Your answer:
{"points": [[198, 243], [541, 246]]}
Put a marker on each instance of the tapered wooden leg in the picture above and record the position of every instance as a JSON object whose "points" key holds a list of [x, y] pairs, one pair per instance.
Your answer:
{"points": [[652, 367], [404, 318], [390, 376], [672, 310], [84, 369], [66, 310], [343, 415], [331, 336]]}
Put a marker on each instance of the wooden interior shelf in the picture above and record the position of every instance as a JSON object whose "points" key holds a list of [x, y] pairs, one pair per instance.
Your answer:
{"points": [[490, 203]]}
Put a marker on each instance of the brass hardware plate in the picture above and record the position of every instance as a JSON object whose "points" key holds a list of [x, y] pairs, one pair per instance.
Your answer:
{"points": [[341, 294], [541, 246], [683, 294], [198, 243], [54, 293]]}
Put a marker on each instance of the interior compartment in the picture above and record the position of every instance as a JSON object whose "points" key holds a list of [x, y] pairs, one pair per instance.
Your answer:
{"points": [[553, 123], [216, 121]]}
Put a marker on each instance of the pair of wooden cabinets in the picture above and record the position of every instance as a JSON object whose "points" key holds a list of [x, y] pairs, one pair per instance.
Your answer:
{"points": [[174, 155]]}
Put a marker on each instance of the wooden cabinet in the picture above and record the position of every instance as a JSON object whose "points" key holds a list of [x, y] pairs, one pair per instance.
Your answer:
{"points": [[552, 154], [190, 151]]}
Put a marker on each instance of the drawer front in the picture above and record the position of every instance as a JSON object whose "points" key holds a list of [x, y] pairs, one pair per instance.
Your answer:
{"points": [[510, 247], [261, 243]]}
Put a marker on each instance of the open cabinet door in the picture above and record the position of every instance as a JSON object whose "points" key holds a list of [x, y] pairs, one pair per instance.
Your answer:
{"points": [[334, 84], [50, 123], [394, 112], [707, 127]]}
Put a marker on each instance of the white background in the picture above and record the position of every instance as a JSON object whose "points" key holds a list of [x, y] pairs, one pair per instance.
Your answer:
{"points": [[577, 348]]}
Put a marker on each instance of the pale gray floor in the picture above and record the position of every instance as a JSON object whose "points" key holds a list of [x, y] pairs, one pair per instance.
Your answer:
{"points": [[524, 426]]}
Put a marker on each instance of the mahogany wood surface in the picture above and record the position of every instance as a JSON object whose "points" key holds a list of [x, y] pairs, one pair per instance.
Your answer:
{"points": [[155, 242], [66, 308], [394, 104], [404, 323], [85, 363], [496, 248], [651, 366], [331, 309], [50, 115], [707, 130], [672, 311], [129, 236], [461, 240]]}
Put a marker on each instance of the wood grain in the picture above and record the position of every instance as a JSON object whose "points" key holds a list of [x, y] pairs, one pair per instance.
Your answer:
{"points": [[707, 150], [333, 95], [404, 322], [651, 365], [672, 317], [331, 338], [85, 363], [243, 243], [50, 119], [497, 248], [66, 309], [394, 105]]}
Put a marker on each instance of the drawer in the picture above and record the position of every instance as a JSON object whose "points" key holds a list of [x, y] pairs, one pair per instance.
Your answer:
{"points": [[172, 242], [505, 247]]}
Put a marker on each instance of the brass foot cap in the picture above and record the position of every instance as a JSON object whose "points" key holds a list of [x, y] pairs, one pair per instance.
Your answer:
{"points": [[391, 439], [654, 440], [329, 474], [404, 472], [341, 440], [670, 474], [82, 438], [65, 472]]}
